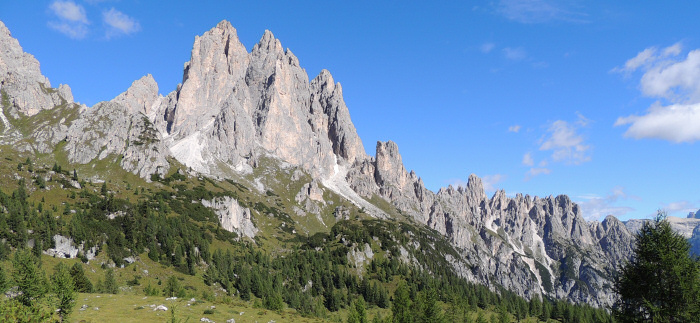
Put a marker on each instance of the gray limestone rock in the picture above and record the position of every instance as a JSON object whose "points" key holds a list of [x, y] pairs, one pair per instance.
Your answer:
{"points": [[27, 90], [232, 216], [232, 102], [140, 97], [506, 240], [110, 129]]}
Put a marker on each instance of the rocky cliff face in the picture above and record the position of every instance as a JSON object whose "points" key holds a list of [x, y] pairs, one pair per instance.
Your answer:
{"points": [[235, 106], [527, 244], [36, 117], [23, 85]]}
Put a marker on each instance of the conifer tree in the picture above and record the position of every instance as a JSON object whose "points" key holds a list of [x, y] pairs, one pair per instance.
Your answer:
{"points": [[30, 279], [401, 307], [357, 312], [4, 284], [63, 287], [661, 282], [82, 283], [110, 284], [431, 309]]}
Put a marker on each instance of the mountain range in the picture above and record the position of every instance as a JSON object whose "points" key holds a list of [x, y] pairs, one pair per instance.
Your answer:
{"points": [[255, 117]]}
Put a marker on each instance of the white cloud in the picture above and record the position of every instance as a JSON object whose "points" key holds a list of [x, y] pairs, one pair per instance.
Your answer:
{"points": [[74, 31], [539, 11], [527, 160], [515, 128], [677, 123], [673, 50], [72, 19], [490, 181], [487, 47], [69, 10], [649, 57], [565, 143], [514, 54], [537, 171], [673, 79], [597, 208], [682, 207], [643, 58], [119, 23]]}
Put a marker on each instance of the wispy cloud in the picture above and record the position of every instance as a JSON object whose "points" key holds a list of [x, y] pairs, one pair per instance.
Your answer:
{"points": [[119, 23], [596, 208], [682, 207], [673, 78], [514, 128], [514, 54], [562, 143], [487, 47], [540, 11], [536, 171], [490, 181], [72, 19], [565, 143]]}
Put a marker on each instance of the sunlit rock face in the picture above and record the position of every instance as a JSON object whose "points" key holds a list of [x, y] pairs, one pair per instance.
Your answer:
{"points": [[233, 102]]}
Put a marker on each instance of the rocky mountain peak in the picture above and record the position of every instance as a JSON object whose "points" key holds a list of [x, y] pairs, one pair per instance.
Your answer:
{"points": [[694, 215], [323, 83], [475, 188], [390, 170], [141, 95], [268, 44], [21, 80]]}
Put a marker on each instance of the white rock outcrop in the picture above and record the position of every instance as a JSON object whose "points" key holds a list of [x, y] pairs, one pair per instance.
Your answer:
{"points": [[232, 216]]}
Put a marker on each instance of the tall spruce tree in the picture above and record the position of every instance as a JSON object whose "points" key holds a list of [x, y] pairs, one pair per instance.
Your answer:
{"points": [[30, 279], [660, 283], [401, 306], [63, 287], [82, 283]]}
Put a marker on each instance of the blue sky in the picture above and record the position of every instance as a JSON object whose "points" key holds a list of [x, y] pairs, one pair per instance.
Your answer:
{"points": [[598, 100]]}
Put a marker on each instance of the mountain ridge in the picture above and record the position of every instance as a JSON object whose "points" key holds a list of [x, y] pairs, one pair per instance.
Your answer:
{"points": [[235, 107]]}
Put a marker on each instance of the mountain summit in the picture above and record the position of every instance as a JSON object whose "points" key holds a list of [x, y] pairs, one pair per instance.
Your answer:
{"points": [[237, 110]]}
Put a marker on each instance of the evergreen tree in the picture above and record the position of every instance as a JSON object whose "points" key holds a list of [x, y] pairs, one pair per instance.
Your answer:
{"points": [[431, 309], [661, 281], [503, 316], [357, 312], [172, 287], [274, 301], [110, 284], [82, 283], [4, 284], [30, 279], [401, 307], [64, 289]]}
